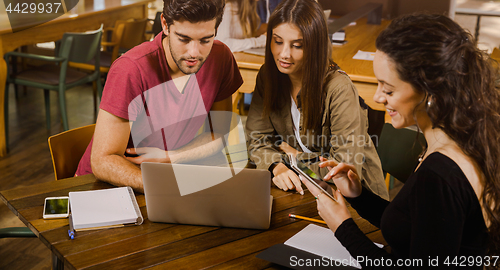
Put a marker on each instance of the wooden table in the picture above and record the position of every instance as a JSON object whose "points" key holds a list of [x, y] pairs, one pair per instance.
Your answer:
{"points": [[160, 245], [479, 9], [361, 36], [87, 15]]}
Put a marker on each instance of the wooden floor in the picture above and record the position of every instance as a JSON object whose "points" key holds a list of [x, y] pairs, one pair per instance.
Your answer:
{"points": [[29, 162]]}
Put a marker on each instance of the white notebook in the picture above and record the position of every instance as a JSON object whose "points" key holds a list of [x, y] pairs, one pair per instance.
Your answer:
{"points": [[105, 208], [322, 242]]}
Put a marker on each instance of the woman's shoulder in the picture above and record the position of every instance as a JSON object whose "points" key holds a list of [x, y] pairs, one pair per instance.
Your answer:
{"points": [[440, 170], [441, 165], [339, 83], [337, 78]]}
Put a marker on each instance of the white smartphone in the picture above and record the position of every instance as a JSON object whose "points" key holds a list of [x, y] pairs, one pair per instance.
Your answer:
{"points": [[304, 171], [56, 207]]}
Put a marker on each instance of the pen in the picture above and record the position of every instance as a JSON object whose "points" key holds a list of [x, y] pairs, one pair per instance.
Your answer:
{"points": [[306, 218], [71, 231]]}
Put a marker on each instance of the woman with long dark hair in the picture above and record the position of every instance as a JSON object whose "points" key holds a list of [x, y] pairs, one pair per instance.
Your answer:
{"points": [[304, 105], [447, 214]]}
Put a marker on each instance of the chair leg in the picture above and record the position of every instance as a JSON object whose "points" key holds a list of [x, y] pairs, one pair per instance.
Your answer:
{"points": [[46, 97], [14, 71], [237, 96], [391, 183], [100, 87], [387, 178], [62, 105], [16, 232], [99, 94], [6, 115], [94, 93], [56, 263]]}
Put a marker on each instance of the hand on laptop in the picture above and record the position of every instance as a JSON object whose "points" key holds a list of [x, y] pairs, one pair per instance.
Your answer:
{"points": [[147, 154], [286, 179]]}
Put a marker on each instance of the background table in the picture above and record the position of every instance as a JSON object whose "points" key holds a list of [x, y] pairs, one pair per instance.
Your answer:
{"points": [[479, 9], [87, 15], [161, 245]]}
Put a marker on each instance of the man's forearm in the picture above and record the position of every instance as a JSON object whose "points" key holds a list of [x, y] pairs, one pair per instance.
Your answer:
{"points": [[205, 145], [118, 171]]}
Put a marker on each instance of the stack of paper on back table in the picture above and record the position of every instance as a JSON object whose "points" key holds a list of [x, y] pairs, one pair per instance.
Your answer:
{"points": [[338, 36], [106, 208]]}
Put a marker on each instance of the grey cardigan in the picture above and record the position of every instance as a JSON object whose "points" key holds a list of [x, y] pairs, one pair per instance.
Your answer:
{"points": [[344, 133]]}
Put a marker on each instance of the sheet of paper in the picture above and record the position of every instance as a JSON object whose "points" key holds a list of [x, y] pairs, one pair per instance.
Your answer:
{"points": [[322, 242], [362, 55]]}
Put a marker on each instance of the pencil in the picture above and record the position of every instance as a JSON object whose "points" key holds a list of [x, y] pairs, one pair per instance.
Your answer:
{"points": [[71, 231], [306, 218]]}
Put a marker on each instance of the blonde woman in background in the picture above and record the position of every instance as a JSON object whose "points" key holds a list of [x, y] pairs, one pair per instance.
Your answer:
{"points": [[240, 27]]}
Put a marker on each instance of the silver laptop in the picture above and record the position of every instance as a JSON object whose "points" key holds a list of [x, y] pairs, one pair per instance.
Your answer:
{"points": [[207, 195]]}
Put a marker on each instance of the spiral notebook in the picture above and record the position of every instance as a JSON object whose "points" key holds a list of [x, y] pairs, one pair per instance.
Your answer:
{"points": [[105, 208]]}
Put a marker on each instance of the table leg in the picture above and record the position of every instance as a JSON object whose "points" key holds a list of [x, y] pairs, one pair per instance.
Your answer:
{"points": [[3, 79], [476, 34], [56, 263]]}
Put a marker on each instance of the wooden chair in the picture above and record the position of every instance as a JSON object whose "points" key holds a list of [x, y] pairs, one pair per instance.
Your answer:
{"points": [[376, 121], [58, 76], [495, 54], [67, 148], [249, 73], [134, 33], [123, 36], [156, 27]]}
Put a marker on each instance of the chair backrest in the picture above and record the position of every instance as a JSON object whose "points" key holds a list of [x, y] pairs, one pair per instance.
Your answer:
{"points": [[81, 47], [67, 148], [157, 24], [133, 33], [495, 54], [398, 150], [376, 121]]}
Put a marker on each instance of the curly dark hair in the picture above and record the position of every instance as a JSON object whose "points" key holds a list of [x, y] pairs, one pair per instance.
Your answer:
{"points": [[440, 59], [193, 11]]}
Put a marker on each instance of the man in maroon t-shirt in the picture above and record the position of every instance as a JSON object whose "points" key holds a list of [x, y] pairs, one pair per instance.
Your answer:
{"points": [[158, 94]]}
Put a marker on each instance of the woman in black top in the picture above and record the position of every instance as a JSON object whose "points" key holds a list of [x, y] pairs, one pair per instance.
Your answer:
{"points": [[447, 215]]}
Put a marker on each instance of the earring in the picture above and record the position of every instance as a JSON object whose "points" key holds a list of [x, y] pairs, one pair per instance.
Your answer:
{"points": [[429, 103]]}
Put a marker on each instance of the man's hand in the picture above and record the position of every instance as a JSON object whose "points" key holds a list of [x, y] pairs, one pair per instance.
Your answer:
{"points": [[147, 154], [286, 179]]}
